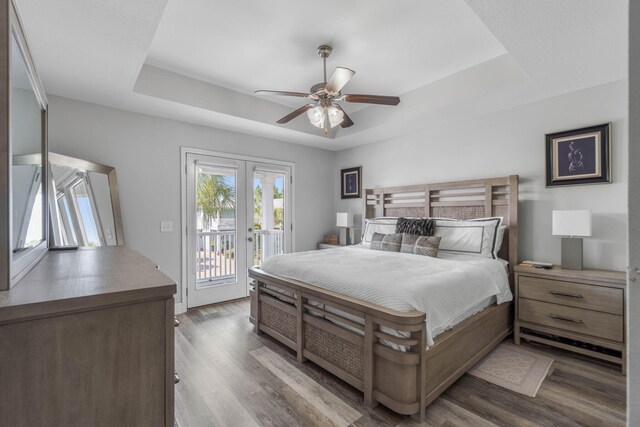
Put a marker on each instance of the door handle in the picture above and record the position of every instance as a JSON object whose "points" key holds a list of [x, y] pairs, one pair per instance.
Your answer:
{"points": [[250, 239], [250, 230]]}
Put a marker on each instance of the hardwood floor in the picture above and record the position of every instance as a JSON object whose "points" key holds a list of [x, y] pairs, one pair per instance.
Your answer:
{"points": [[231, 377]]}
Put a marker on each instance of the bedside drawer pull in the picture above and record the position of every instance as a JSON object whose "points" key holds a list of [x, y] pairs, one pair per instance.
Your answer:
{"points": [[564, 294], [566, 319]]}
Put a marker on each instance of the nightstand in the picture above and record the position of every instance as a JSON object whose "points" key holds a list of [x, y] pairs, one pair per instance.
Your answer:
{"points": [[329, 246], [576, 310]]}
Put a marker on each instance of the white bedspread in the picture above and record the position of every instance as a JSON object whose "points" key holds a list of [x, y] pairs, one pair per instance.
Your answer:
{"points": [[444, 288]]}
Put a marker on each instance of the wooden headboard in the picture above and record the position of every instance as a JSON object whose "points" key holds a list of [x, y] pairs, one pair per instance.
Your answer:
{"points": [[471, 199]]}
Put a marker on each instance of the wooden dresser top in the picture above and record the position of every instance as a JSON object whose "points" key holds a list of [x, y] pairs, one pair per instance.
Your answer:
{"points": [[607, 276], [84, 279]]}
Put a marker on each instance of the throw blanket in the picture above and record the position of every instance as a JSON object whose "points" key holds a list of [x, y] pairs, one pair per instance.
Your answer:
{"points": [[444, 288]]}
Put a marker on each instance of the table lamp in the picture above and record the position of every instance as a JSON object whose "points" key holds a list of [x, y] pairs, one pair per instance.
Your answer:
{"points": [[344, 220], [571, 223]]}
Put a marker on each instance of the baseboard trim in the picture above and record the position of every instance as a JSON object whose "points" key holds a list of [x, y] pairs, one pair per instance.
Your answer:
{"points": [[180, 308]]}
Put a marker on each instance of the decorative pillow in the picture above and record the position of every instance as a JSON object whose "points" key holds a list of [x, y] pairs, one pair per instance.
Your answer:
{"points": [[386, 242], [418, 226], [420, 245], [471, 237], [383, 225]]}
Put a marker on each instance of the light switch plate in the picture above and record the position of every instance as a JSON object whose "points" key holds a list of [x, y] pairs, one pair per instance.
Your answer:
{"points": [[166, 226]]}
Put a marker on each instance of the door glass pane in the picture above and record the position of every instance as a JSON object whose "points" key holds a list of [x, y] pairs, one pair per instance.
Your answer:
{"points": [[34, 229], [69, 236], [268, 214], [86, 214], [216, 212]]}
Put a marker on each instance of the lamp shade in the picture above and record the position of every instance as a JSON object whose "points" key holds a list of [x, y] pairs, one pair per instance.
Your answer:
{"points": [[344, 219], [571, 223]]}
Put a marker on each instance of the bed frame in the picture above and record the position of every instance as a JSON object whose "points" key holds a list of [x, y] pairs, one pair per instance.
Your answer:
{"points": [[405, 382]]}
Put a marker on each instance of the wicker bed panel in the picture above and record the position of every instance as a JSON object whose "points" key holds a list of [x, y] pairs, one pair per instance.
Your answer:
{"points": [[409, 212], [278, 320], [458, 212], [339, 352]]}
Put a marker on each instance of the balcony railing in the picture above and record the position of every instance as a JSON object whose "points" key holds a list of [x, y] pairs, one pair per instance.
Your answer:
{"points": [[215, 260], [267, 244], [216, 253]]}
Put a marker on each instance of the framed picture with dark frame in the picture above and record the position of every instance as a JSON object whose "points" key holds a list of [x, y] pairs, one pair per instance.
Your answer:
{"points": [[581, 156], [351, 183]]}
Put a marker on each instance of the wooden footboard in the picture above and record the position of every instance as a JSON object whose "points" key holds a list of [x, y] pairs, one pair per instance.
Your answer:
{"points": [[350, 338]]}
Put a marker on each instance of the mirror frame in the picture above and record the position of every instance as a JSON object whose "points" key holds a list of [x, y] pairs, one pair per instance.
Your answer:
{"points": [[72, 162], [12, 270]]}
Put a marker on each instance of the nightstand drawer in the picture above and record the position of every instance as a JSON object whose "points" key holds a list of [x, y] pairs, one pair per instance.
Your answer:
{"points": [[600, 298], [588, 322]]}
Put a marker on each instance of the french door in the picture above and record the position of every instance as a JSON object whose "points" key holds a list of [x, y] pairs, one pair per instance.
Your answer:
{"points": [[238, 214]]}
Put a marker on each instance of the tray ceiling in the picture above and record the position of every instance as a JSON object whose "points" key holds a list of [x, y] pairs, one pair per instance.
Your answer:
{"points": [[200, 60]]}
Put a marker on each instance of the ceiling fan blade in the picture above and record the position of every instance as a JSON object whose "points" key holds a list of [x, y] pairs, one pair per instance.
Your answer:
{"points": [[346, 122], [282, 93], [296, 113], [372, 99], [338, 79]]}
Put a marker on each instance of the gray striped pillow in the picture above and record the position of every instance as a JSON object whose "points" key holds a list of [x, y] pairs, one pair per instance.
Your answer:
{"points": [[420, 245], [386, 242]]}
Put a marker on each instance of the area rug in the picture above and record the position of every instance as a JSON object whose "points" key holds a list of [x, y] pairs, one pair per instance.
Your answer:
{"points": [[513, 368]]}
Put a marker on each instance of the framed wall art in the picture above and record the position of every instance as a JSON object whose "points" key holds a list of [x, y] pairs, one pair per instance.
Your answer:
{"points": [[581, 156], [351, 183]]}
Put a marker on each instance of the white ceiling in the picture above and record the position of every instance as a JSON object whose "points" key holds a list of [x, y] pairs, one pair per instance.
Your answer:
{"points": [[200, 60], [394, 47]]}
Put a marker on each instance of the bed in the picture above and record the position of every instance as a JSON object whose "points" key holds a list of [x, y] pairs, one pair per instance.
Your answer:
{"points": [[397, 355]]}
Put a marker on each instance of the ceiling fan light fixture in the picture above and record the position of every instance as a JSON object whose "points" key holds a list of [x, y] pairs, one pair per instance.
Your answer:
{"points": [[316, 116], [336, 116]]}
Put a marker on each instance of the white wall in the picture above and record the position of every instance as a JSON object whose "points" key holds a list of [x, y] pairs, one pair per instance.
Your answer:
{"points": [[145, 151], [512, 142], [633, 293]]}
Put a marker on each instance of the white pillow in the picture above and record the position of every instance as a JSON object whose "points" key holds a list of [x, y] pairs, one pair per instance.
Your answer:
{"points": [[471, 237], [499, 239], [383, 225]]}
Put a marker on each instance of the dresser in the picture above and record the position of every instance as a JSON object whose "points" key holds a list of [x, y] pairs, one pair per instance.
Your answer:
{"points": [[88, 340], [577, 310]]}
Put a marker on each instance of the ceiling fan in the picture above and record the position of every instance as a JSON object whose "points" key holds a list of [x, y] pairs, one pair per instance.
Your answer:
{"points": [[324, 112]]}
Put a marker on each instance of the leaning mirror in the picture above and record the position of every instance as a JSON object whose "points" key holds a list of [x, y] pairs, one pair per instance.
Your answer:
{"points": [[26, 137], [84, 206], [27, 129]]}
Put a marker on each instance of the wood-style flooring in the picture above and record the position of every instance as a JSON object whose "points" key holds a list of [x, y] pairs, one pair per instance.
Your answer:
{"points": [[231, 377]]}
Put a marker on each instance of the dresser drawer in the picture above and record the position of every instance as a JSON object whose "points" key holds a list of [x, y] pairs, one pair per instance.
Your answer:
{"points": [[588, 322], [600, 298]]}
